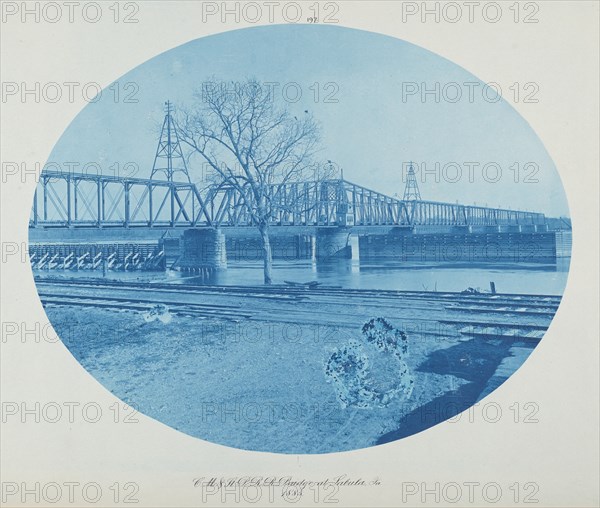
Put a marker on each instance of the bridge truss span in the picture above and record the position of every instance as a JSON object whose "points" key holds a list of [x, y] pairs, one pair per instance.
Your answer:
{"points": [[433, 213], [73, 200], [82, 200]]}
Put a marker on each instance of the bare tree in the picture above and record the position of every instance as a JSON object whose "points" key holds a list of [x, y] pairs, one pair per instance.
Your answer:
{"points": [[252, 144]]}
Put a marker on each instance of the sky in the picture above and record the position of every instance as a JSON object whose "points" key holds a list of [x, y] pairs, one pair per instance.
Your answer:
{"points": [[472, 150]]}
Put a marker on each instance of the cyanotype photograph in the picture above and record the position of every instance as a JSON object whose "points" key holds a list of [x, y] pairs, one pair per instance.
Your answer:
{"points": [[300, 239]]}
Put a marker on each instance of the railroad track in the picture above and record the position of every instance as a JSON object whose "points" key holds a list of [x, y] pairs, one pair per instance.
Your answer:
{"points": [[230, 313], [280, 290], [169, 288], [500, 315], [514, 311]]}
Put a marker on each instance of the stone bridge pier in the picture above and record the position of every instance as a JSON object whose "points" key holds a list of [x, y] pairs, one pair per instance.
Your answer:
{"points": [[206, 249], [332, 243], [202, 250]]}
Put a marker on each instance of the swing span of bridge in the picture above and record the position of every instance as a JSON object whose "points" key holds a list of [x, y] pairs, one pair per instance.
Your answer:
{"points": [[72, 200]]}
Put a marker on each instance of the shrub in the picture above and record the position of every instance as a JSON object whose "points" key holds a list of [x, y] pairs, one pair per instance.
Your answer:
{"points": [[372, 372]]}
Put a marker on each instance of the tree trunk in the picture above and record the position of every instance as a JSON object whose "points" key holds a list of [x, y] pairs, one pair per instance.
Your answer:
{"points": [[267, 255]]}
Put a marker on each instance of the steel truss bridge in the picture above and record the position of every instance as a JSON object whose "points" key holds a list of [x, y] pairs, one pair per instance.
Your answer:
{"points": [[72, 200]]}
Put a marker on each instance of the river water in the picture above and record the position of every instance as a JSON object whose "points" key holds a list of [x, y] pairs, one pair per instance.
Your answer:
{"points": [[412, 276]]}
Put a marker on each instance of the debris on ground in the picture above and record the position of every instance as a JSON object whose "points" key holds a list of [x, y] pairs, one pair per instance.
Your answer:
{"points": [[158, 312], [311, 284]]}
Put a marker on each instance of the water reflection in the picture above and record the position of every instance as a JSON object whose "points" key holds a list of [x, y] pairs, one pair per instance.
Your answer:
{"points": [[508, 278]]}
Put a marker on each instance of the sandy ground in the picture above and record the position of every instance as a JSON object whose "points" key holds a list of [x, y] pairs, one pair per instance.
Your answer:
{"points": [[261, 385]]}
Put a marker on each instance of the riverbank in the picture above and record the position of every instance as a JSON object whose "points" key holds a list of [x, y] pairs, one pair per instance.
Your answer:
{"points": [[254, 377]]}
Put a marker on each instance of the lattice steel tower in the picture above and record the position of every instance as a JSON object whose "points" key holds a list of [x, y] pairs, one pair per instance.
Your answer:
{"points": [[411, 191], [169, 157]]}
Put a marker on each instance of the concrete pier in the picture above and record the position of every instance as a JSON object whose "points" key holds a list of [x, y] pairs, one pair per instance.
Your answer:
{"points": [[332, 243], [202, 249]]}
